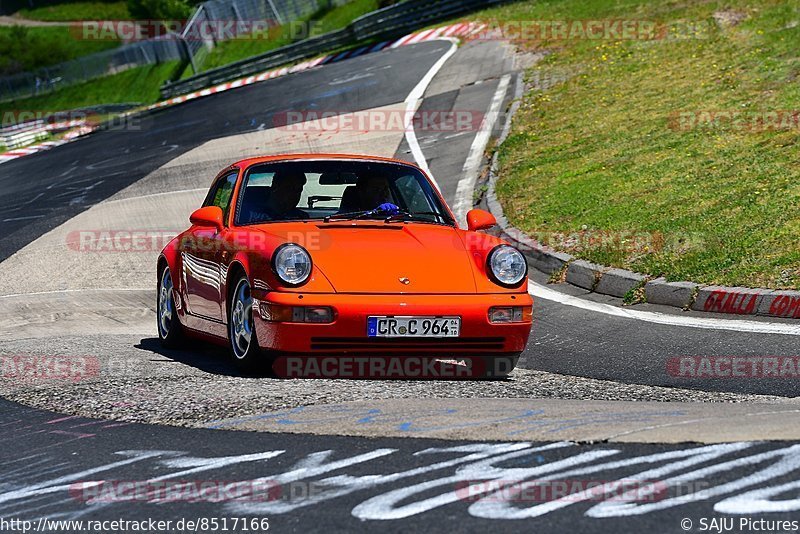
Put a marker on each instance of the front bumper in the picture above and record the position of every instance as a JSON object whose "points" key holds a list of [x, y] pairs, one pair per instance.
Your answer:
{"points": [[347, 334]]}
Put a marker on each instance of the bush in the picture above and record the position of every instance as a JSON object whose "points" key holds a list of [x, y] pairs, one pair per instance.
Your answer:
{"points": [[160, 9]]}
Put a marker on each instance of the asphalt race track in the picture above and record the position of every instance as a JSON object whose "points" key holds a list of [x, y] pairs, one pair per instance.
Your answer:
{"points": [[152, 171], [72, 469], [42, 192]]}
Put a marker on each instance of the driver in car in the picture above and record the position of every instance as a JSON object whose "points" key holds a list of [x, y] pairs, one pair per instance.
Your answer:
{"points": [[374, 193], [373, 190], [371, 193]]}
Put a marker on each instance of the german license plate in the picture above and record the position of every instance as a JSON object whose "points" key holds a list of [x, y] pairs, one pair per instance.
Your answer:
{"points": [[413, 326]]}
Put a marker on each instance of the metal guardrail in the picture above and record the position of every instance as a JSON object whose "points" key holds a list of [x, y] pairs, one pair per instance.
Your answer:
{"points": [[272, 12], [48, 79], [20, 136], [281, 56], [159, 50], [399, 18], [386, 23]]}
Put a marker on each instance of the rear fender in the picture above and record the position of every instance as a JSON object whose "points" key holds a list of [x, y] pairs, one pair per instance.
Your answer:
{"points": [[171, 257]]}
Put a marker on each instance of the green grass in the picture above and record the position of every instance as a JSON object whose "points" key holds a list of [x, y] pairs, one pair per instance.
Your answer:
{"points": [[322, 22], [595, 156], [28, 48], [339, 17], [140, 84], [78, 11]]}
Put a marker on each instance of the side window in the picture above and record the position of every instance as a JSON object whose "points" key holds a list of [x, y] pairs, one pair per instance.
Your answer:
{"points": [[221, 192]]}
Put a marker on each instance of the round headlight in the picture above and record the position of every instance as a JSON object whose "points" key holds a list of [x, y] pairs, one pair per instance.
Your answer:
{"points": [[507, 266], [292, 264]]}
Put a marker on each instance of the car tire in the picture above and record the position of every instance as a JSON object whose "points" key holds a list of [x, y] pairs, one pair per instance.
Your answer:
{"points": [[242, 341], [170, 330], [499, 367]]}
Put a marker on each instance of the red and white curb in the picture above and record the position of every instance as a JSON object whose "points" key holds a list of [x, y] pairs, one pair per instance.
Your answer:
{"points": [[462, 30], [46, 145]]}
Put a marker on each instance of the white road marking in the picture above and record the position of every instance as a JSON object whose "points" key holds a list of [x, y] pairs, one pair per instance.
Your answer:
{"points": [[735, 325], [161, 194], [59, 484], [466, 186], [25, 218], [412, 101], [193, 465], [83, 290]]}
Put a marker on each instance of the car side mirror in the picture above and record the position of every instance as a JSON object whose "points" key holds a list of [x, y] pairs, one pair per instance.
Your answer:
{"points": [[480, 220], [210, 216]]}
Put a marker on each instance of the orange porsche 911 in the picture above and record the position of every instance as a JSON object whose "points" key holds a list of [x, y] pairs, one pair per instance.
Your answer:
{"points": [[309, 255]]}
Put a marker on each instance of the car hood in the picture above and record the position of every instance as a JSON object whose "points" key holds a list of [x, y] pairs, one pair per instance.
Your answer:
{"points": [[368, 257]]}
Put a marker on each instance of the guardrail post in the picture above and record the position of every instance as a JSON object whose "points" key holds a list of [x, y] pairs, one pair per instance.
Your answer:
{"points": [[277, 13], [186, 52]]}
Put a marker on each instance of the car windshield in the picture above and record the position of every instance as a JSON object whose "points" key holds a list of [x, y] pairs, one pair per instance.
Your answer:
{"points": [[336, 190]]}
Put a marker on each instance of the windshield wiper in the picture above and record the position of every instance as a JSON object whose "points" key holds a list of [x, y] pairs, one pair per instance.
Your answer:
{"points": [[387, 208], [392, 212], [349, 216], [417, 215]]}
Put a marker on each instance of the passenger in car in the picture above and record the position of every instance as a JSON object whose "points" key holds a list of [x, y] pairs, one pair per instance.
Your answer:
{"points": [[277, 202]]}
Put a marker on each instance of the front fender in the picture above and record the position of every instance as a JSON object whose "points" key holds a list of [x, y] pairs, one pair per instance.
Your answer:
{"points": [[478, 245], [257, 266]]}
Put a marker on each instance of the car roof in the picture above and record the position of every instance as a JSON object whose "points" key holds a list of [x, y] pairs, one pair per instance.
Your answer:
{"points": [[351, 157]]}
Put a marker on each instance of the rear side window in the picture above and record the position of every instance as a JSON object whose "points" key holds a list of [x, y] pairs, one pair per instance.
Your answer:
{"points": [[221, 193]]}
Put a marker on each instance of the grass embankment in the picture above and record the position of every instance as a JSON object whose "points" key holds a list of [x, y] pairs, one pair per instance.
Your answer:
{"points": [[142, 84], [134, 85], [26, 48], [78, 11], [607, 153]]}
